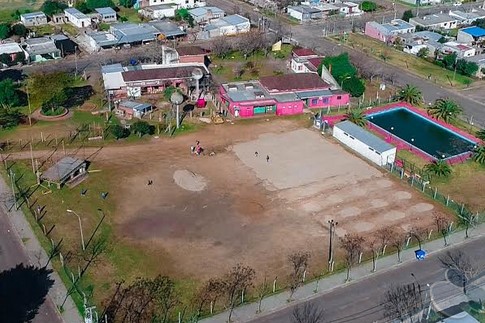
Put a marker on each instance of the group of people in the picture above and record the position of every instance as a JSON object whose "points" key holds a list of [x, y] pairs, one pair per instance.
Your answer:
{"points": [[256, 154]]}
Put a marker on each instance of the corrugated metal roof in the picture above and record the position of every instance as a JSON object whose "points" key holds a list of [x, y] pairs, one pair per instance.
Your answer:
{"points": [[76, 13], [105, 11], [135, 106], [31, 15], [202, 11], [62, 169], [235, 20], [314, 94], [364, 136], [10, 48], [474, 31]]}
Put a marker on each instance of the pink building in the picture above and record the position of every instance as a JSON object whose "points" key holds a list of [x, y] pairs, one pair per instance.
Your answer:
{"points": [[280, 95], [389, 31]]}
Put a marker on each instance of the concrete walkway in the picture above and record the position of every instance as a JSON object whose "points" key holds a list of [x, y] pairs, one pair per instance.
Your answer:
{"points": [[37, 255], [313, 289]]}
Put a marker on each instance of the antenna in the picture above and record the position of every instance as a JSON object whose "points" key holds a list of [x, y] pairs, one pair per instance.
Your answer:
{"points": [[197, 74]]}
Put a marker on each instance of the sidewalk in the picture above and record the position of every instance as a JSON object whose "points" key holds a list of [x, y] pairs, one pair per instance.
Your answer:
{"points": [[279, 301], [38, 257]]}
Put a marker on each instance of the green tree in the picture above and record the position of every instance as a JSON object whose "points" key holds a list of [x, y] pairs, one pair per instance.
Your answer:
{"points": [[423, 52], [356, 116], [442, 40], [445, 109], [50, 7], [82, 6], [93, 4], [355, 86], [118, 131], [481, 134], [479, 155], [466, 68], [449, 61], [438, 168], [142, 128], [411, 94], [19, 30], [127, 3], [479, 23], [48, 89], [408, 14], [8, 95], [368, 6], [10, 117], [181, 14], [4, 30]]}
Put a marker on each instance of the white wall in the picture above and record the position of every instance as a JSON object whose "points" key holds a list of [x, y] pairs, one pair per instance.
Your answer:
{"points": [[295, 14], [364, 150], [80, 23]]}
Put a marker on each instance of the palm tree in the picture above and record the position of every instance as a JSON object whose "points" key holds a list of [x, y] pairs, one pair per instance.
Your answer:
{"points": [[439, 168], [411, 95], [356, 116], [481, 134], [479, 155], [445, 109]]}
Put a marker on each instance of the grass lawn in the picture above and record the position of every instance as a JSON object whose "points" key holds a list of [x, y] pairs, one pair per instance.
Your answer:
{"points": [[406, 61], [130, 14], [43, 30], [70, 29]]}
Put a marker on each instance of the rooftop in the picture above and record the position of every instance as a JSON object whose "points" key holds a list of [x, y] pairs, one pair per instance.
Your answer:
{"points": [[103, 38], [434, 19], [162, 6], [294, 82], [202, 11], [135, 106], [132, 33], [246, 91], [76, 13], [105, 11], [396, 25], [160, 73], [62, 169], [167, 28], [10, 48], [474, 31], [31, 15], [364, 136], [40, 46], [304, 9], [457, 46], [302, 52], [479, 59], [191, 50]]}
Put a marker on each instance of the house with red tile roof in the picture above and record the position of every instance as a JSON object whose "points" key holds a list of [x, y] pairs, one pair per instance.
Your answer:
{"points": [[280, 95]]}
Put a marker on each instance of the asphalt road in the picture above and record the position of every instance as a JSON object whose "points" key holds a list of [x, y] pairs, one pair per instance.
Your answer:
{"points": [[12, 253], [360, 302]]}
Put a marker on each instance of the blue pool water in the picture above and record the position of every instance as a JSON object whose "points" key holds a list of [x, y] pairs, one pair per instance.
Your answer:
{"points": [[422, 133]]}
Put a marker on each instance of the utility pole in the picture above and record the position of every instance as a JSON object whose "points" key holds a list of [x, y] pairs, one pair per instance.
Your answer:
{"points": [[75, 59], [28, 102], [331, 228]]}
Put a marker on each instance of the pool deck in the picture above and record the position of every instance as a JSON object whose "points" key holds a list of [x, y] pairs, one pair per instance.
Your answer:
{"points": [[404, 145]]}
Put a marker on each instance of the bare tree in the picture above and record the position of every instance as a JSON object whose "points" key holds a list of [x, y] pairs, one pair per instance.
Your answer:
{"points": [[442, 225], [419, 234], [221, 46], [403, 302], [250, 42], [352, 245], [461, 267], [308, 312], [262, 290], [299, 264], [385, 235], [208, 294], [236, 282], [375, 249], [398, 241], [468, 220]]}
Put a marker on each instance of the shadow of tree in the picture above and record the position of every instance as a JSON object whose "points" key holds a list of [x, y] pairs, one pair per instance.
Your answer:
{"points": [[23, 290], [78, 95]]}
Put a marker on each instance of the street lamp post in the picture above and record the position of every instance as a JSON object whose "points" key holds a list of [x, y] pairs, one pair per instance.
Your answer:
{"points": [[176, 99], [80, 227]]}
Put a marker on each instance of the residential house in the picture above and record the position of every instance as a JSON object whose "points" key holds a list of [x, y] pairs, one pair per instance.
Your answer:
{"points": [[279, 95], [77, 18], [135, 81], [66, 171], [203, 15], [106, 15], [10, 53], [348, 8], [64, 44], [33, 19], [389, 31], [435, 21], [41, 49], [98, 40], [167, 29], [128, 109], [59, 18], [179, 3], [471, 36], [304, 13], [300, 59], [414, 42], [225, 26], [159, 11], [467, 18], [480, 61], [191, 54], [461, 50], [422, 2]]}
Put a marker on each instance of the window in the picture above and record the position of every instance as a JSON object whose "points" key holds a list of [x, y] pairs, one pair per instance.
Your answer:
{"points": [[325, 100], [346, 134], [378, 153], [314, 101], [339, 97], [371, 149], [351, 137]]}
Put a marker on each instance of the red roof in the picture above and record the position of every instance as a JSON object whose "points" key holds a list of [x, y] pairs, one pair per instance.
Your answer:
{"points": [[191, 51], [302, 52], [315, 61], [293, 82]]}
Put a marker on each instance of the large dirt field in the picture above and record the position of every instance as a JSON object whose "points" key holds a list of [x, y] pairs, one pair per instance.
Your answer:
{"points": [[203, 214]]}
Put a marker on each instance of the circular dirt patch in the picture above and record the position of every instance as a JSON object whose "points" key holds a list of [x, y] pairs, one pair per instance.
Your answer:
{"points": [[421, 207], [189, 181], [402, 195], [378, 203], [349, 211], [363, 226], [394, 215]]}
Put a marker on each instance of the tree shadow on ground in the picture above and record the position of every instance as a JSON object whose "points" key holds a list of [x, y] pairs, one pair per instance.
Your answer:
{"points": [[76, 96], [23, 290]]}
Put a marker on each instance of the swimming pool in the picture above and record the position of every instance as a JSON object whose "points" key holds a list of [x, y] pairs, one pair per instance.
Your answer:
{"points": [[421, 133]]}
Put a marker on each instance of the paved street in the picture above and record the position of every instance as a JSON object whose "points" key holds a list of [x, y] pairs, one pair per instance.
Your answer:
{"points": [[12, 253]]}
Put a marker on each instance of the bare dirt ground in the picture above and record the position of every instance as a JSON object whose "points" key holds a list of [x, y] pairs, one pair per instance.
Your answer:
{"points": [[203, 214]]}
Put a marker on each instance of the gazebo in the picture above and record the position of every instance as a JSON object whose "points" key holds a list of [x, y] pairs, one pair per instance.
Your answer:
{"points": [[64, 171]]}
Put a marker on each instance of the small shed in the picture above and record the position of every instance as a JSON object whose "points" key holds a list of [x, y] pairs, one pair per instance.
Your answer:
{"points": [[129, 109], [364, 142], [65, 171], [106, 14]]}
